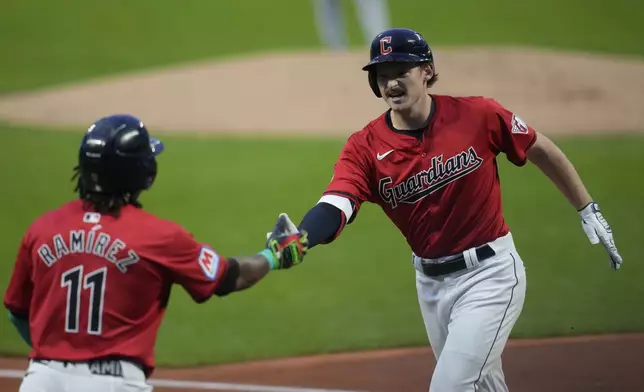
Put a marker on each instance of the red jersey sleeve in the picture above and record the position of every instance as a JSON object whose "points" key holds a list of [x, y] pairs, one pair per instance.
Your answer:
{"points": [[194, 266], [18, 295], [351, 174], [509, 134]]}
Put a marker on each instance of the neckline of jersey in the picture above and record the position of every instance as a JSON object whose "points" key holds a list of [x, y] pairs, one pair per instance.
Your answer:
{"points": [[418, 132]]}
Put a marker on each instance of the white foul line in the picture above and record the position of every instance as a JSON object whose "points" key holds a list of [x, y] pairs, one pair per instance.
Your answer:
{"points": [[202, 385]]}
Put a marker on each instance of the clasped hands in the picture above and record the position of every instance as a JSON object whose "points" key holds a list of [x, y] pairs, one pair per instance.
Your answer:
{"points": [[286, 243]]}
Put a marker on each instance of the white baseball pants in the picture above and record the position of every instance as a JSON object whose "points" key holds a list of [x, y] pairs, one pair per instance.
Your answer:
{"points": [[469, 316], [56, 376]]}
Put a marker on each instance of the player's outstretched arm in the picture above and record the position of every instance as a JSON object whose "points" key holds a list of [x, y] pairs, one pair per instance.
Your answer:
{"points": [[557, 167], [322, 223], [243, 273], [348, 189], [285, 247], [202, 272]]}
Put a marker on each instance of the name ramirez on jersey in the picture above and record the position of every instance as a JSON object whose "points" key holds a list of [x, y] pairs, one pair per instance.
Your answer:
{"points": [[91, 242]]}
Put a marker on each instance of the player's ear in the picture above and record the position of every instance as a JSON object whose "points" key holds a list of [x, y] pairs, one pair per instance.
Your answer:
{"points": [[428, 72]]}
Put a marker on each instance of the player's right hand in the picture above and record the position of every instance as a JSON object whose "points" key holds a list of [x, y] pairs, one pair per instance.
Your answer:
{"points": [[287, 244]]}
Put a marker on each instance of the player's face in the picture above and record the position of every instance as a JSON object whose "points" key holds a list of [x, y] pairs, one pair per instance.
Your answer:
{"points": [[402, 84]]}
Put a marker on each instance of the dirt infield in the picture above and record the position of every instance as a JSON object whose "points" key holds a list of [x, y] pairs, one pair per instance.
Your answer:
{"points": [[613, 363], [324, 93]]}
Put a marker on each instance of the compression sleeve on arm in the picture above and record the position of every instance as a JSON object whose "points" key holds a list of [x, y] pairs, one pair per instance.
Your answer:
{"points": [[22, 325], [323, 223], [229, 281]]}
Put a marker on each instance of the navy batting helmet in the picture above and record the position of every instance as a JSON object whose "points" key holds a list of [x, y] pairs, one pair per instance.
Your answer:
{"points": [[397, 45], [117, 156]]}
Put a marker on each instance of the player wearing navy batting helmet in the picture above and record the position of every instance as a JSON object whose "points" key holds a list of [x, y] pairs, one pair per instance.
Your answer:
{"points": [[430, 163], [92, 278]]}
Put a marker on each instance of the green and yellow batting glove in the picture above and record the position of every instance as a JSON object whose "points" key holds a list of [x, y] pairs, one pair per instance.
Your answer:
{"points": [[286, 245]]}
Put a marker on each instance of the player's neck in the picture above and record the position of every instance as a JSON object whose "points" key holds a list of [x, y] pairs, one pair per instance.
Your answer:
{"points": [[415, 117]]}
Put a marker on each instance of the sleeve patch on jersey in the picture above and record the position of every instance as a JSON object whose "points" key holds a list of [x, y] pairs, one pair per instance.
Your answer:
{"points": [[209, 262], [518, 125]]}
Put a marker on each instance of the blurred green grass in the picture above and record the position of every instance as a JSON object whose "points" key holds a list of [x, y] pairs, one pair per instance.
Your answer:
{"points": [[592, 25], [359, 292], [46, 43], [50, 42]]}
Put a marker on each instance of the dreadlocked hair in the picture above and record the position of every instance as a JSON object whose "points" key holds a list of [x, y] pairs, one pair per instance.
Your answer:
{"points": [[103, 203]]}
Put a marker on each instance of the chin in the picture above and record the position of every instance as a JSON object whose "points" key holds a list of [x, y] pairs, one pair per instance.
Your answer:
{"points": [[403, 103]]}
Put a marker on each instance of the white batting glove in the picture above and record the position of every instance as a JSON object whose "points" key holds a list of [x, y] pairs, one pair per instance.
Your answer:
{"points": [[290, 226], [597, 230]]}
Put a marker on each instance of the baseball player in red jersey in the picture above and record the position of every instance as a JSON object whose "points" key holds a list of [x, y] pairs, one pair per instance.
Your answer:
{"points": [[430, 163], [92, 278]]}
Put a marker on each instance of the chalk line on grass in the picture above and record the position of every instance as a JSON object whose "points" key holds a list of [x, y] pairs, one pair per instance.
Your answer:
{"points": [[204, 385]]}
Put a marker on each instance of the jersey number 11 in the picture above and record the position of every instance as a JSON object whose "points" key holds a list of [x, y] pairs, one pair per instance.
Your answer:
{"points": [[95, 282]]}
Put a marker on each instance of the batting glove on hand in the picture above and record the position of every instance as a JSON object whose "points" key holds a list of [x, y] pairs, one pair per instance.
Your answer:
{"points": [[597, 230], [286, 243]]}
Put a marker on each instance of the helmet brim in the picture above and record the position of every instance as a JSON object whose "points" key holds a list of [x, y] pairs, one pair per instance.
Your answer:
{"points": [[395, 58], [157, 146]]}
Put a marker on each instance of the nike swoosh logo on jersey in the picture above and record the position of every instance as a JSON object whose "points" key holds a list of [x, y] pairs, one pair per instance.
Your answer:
{"points": [[380, 157]]}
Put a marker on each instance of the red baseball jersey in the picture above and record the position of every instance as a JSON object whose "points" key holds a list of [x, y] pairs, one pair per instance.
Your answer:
{"points": [[441, 190], [96, 286]]}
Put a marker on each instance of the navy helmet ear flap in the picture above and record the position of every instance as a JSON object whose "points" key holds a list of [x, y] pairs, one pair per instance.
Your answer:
{"points": [[373, 83]]}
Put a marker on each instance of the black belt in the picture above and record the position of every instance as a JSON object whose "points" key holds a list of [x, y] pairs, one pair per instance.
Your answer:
{"points": [[456, 264], [99, 367]]}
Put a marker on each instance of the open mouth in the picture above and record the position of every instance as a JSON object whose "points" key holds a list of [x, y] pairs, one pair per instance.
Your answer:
{"points": [[396, 94]]}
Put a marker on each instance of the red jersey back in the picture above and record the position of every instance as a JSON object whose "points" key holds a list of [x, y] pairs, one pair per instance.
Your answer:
{"points": [[96, 286], [439, 187]]}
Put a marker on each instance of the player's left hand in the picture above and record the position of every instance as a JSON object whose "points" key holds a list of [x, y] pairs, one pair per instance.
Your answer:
{"points": [[597, 230], [288, 244]]}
